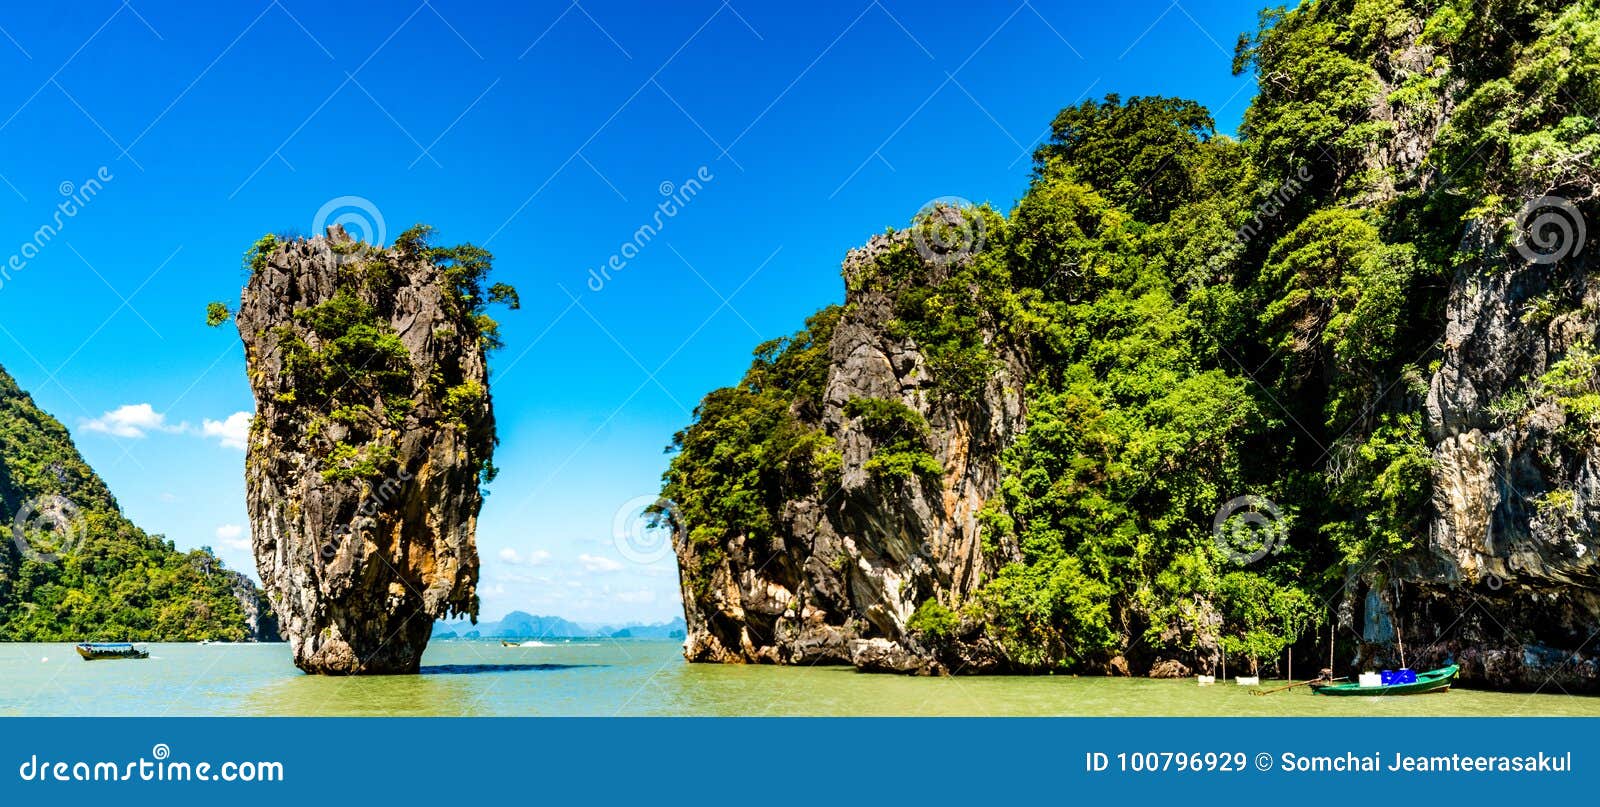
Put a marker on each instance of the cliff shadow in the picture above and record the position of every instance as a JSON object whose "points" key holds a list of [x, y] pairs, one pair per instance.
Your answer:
{"points": [[477, 669]]}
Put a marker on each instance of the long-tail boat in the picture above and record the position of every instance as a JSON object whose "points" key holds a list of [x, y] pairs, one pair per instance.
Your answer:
{"points": [[1432, 681], [92, 651]]}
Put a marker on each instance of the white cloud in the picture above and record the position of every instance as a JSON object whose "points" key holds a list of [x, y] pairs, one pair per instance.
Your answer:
{"points": [[535, 558], [596, 563], [232, 536], [231, 433], [635, 597], [139, 420], [131, 420]]}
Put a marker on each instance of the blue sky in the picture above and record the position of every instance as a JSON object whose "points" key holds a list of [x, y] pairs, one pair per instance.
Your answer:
{"points": [[548, 132]]}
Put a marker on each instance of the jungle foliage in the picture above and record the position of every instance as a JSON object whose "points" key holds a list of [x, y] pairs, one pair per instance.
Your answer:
{"points": [[1208, 317], [347, 365], [88, 574]]}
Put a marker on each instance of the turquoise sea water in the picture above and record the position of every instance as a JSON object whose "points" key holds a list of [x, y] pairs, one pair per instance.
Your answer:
{"points": [[640, 677]]}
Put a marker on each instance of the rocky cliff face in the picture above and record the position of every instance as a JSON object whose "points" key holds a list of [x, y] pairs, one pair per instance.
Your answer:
{"points": [[1453, 490], [854, 557], [373, 428], [1509, 585], [1506, 582], [260, 623]]}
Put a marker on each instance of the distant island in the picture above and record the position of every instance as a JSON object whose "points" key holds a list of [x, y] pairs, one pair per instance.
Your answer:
{"points": [[522, 625]]}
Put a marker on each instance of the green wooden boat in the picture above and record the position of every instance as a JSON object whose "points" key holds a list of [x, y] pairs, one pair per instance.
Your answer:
{"points": [[1432, 681]]}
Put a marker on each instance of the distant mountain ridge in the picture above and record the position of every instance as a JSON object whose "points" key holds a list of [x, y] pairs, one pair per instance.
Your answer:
{"points": [[523, 625]]}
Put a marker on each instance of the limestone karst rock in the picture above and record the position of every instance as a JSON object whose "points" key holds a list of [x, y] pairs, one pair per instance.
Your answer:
{"points": [[1514, 550], [1390, 322], [852, 563], [373, 431]]}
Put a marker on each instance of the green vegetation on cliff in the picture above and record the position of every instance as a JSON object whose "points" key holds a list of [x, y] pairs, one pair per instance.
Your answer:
{"points": [[1206, 318], [89, 574], [348, 364], [752, 448]]}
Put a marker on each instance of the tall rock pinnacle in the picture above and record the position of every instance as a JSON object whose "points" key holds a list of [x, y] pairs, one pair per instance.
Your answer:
{"points": [[373, 432]]}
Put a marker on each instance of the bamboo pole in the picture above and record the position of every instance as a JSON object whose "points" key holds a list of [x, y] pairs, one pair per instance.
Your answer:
{"points": [[1292, 686], [1394, 617], [1331, 620]]}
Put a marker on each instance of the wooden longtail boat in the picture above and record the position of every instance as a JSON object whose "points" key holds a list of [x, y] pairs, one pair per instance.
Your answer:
{"points": [[1431, 681], [92, 651]]}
